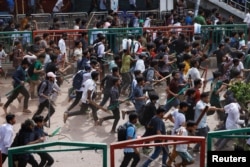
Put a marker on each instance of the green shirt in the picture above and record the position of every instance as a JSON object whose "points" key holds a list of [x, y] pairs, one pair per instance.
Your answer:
{"points": [[38, 66], [200, 20], [126, 60], [215, 98]]}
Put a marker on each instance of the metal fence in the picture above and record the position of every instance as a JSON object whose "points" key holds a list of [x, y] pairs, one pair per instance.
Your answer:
{"points": [[63, 147], [55, 35], [42, 19], [216, 33], [188, 31], [114, 36], [8, 38], [6, 19]]}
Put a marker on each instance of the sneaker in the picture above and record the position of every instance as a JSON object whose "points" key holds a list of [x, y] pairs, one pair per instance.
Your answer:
{"points": [[65, 117], [26, 111]]}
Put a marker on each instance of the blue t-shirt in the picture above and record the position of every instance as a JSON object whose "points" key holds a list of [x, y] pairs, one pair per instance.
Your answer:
{"points": [[131, 133]]}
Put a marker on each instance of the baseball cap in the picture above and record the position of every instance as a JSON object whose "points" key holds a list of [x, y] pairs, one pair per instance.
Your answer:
{"points": [[51, 74]]}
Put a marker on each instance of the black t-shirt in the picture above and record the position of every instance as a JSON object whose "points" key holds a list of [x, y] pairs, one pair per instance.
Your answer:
{"points": [[149, 112], [156, 124], [219, 54]]}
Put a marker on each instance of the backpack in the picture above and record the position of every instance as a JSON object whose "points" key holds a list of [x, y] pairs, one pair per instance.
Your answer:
{"points": [[78, 79], [122, 132], [145, 73], [31, 68], [131, 22], [39, 86], [96, 46]]}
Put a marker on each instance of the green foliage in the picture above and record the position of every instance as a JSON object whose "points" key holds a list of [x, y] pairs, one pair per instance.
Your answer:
{"points": [[241, 92]]}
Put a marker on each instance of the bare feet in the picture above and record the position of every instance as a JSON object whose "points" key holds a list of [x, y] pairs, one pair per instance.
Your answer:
{"points": [[123, 114], [27, 111], [65, 117], [5, 110]]}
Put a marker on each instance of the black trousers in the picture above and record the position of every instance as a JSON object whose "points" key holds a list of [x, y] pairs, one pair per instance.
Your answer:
{"points": [[116, 116], [23, 161], [127, 158], [76, 101], [14, 95], [46, 159], [4, 156], [41, 106]]}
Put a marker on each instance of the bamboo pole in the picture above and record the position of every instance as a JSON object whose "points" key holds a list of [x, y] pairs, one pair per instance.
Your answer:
{"points": [[22, 7], [16, 7]]}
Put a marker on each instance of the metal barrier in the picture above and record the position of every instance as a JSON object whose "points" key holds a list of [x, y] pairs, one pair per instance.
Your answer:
{"points": [[71, 146], [7, 38], [95, 17], [236, 133], [174, 140], [56, 35], [143, 14], [188, 31], [42, 19], [6, 18], [217, 33], [114, 36]]}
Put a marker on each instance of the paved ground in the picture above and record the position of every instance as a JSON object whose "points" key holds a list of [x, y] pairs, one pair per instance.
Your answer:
{"points": [[81, 128]]}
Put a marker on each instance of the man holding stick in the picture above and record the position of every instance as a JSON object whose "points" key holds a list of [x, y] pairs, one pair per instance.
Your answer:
{"points": [[202, 128], [19, 78]]}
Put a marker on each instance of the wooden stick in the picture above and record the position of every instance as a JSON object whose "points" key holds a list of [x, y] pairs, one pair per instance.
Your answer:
{"points": [[156, 82], [202, 114]]}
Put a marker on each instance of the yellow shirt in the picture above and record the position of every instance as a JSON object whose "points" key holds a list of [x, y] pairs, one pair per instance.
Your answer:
{"points": [[187, 67]]}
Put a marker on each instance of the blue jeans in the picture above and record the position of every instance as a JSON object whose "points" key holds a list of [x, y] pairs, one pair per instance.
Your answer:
{"points": [[156, 153]]}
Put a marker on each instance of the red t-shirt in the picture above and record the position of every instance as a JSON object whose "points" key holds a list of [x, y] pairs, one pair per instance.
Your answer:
{"points": [[174, 87], [197, 95]]}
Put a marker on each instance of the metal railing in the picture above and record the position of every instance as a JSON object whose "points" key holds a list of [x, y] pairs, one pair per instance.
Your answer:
{"points": [[8, 38], [69, 146], [171, 140], [217, 33], [241, 6], [236, 133], [114, 36], [167, 31], [6, 18]]}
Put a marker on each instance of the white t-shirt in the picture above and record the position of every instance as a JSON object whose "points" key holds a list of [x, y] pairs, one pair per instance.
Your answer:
{"points": [[233, 118], [76, 27], [240, 66], [179, 119], [182, 147], [6, 137], [140, 65], [2, 56], [194, 73], [89, 85]]}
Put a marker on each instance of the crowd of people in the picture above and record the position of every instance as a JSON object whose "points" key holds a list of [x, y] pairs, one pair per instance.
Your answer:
{"points": [[139, 65]]}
